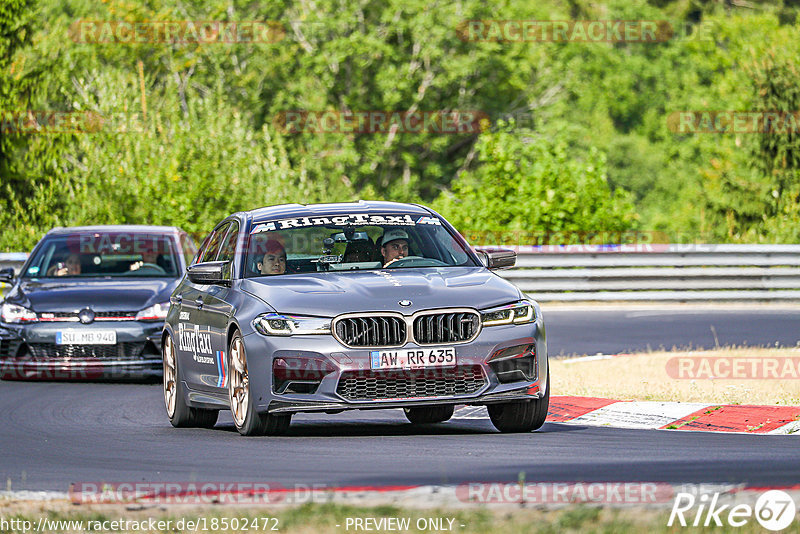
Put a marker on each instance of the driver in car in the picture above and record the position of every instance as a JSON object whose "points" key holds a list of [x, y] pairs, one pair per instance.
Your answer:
{"points": [[394, 246], [149, 259]]}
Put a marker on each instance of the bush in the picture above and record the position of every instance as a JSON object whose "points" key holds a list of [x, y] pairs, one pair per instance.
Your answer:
{"points": [[526, 183]]}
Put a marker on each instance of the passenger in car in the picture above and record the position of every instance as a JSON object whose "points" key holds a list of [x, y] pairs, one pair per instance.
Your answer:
{"points": [[274, 261]]}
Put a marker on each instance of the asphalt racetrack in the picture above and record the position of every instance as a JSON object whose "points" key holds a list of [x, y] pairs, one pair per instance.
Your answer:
{"points": [[581, 331], [55, 434]]}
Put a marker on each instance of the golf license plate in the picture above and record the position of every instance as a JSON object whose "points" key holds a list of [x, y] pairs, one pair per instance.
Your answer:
{"points": [[86, 337], [413, 358]]}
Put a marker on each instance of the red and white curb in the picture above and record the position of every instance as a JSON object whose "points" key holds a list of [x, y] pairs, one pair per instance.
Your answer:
{"points": [[593, 411]]}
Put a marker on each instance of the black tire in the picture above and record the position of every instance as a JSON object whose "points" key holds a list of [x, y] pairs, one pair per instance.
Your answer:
{"points": [[180, 414], [524, 416], [245, 417], [421, 415]]}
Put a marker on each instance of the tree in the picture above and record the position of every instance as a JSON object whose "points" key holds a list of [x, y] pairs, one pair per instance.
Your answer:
{"points": [[16, 22], [777, 153], [538, 190]]}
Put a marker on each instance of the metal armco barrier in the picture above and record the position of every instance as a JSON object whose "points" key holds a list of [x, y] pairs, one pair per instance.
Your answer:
{"points": [[653, 272], [642, 272]]}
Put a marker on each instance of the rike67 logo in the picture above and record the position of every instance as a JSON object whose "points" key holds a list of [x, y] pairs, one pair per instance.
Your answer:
{"points": [[774, 510]]}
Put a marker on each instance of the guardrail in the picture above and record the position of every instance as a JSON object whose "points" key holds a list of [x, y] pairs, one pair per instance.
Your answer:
{"points": [[642, 272], [652, 272]]}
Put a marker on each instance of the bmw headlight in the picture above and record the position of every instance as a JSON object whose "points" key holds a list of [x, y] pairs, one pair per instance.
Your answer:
{"points": [[521, 312], [156, 312], [281, 324], [13, 314]]}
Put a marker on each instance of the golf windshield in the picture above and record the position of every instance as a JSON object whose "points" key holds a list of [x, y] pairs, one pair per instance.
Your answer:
{"points": [[100, 254]]}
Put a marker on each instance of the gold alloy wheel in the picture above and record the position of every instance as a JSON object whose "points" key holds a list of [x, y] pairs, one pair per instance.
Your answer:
{"points": [[238, 385], [170, 389]]}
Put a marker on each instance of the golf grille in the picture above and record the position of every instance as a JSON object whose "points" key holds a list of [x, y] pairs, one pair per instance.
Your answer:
{"points": [[120, 351], [401, 383], [445, 327], [115, 316], [371, 331], [55, 317]]}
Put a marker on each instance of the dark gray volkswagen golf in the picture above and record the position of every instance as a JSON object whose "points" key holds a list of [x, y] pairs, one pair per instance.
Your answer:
{"points": [[90, 303], [332, 307]]}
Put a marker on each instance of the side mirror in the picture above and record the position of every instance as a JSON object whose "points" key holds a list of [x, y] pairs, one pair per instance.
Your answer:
{"points": [[210, 272], [497, 258], [7, 274]]}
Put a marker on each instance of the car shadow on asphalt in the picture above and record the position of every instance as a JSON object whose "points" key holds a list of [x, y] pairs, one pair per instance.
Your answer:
{"points": [[372, 428]]}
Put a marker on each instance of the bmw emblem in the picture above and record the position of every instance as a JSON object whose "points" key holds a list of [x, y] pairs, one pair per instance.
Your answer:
{"points": [[405, 303], [86, 316]]}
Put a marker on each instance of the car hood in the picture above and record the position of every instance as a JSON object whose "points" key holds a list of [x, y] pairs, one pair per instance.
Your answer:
{"points": [[331, 293], [98, 294]]}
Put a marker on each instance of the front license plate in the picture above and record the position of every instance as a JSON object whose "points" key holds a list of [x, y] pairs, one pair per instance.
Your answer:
{"points": [[86, 337], [413, 358]]}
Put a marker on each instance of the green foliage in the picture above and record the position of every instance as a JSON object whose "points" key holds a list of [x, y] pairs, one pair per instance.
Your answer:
{"points": [[167, 167], [777, 155], [595, 154], [193, 166], [15, 34], [750, 181], [533, 185]]}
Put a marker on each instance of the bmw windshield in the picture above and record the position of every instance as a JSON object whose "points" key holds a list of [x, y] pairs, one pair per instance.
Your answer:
{"points": [[104, 254], [350, 243]]}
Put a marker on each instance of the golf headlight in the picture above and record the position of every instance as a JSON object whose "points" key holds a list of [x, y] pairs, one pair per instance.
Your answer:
{"points": [[278, 324], [13, 314], [518, 313], [156, 312]]}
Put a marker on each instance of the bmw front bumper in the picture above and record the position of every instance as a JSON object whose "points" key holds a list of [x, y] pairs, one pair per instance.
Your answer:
{"points": [[332, 394]]}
